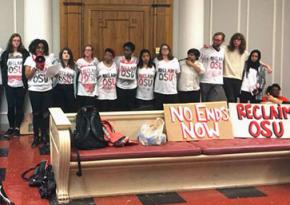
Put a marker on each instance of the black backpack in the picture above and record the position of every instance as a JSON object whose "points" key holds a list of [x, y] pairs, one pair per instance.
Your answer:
{"points": [[89, 132]]}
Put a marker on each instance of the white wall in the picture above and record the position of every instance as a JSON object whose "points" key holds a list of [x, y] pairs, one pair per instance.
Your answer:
{"points": [[11, 21], [264, 24]]}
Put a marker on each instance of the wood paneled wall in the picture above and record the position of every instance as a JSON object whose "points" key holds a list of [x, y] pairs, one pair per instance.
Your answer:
{"points": [[110, 23]]}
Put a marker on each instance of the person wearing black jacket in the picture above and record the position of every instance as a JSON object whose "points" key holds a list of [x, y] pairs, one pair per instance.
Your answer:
{"points": [[14, 82]]}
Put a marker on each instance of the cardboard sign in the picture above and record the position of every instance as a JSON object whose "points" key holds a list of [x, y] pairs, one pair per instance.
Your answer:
{"points": [[260, 120], [197, 121]]}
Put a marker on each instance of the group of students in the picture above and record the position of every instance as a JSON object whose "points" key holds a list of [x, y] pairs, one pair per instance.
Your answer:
{"points": [[121, 83]]}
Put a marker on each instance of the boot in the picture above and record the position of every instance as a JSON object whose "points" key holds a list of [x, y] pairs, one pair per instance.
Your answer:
{"points": [[44, 136], [4, 200], [45, 140], [36, 140]]}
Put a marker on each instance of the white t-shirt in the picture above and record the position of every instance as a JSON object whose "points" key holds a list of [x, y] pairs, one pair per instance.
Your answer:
{"points": [[189, 78], [166, 76], [66, 76], [14, 70], [39, 82], [87, 81], [107, 79], [127, 78], [145, 81], [213, 62], [250, 81]]}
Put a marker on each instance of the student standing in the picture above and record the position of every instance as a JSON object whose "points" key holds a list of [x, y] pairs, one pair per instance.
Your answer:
{"points": [[87, 89], [212, 59], [127, 78], [40, 89], [254, 79], [167, 69], [235, 58], [107, 79], [188, 82], [145, 78], [64, 90], [15, 82]]}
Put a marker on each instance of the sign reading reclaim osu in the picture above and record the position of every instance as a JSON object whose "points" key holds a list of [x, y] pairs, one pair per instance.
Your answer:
{"points": [[260, 120], [197, 121]]}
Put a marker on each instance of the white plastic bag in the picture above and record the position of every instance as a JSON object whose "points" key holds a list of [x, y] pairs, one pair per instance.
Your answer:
{"points": [[152, 134]]}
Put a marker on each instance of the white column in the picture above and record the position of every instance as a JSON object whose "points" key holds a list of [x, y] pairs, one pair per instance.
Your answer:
{"points": [[191, 26], [37, 20]]}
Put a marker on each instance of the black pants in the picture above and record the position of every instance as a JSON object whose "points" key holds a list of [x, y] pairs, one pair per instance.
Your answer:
{"points": [[247, 97], [64, 98], [161, 99], [15, 102], [144, 104], [232, 89], [86, 101], [40, 102], [107, 105], [126, 99], [189, 96]]}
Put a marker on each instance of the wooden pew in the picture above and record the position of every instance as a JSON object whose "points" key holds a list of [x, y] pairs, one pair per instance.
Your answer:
{"points": [[155, 174]]}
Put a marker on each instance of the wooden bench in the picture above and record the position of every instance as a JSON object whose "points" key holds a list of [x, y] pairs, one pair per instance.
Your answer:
{"points": [[176, 166]]}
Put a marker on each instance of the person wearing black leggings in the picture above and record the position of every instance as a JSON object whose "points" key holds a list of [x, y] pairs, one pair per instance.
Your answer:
{"points": [[40, 89], [64, 91], [14, 81]]}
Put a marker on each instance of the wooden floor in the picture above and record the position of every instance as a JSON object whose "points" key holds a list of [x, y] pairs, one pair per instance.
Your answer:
{"points": [[16, 156]]}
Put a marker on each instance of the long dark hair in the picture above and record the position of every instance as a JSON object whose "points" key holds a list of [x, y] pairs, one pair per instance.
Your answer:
{"points": [[141, 63], [170, 56], [242, 47], [71, 62], [9, 47], [33, 46], [251, 64]]}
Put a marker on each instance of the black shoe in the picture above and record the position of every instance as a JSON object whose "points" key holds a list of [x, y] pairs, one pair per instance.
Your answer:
{"points": [[35, 142], [44, 149], [17, 133], [9, 133], [4, 200]]}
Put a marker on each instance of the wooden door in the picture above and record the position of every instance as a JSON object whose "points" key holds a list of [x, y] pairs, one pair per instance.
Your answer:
{"points": [[111, 23]]}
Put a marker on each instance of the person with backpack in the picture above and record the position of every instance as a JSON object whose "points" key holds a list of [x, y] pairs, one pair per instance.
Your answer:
{"points": [[127, 79], [107, 79], [145, 79], [87, 88], [64, 91], [15, 82], [40, 89]]}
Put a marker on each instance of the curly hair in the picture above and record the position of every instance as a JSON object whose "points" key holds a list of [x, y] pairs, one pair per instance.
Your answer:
{"points": [[242, 47], [34, 44]]}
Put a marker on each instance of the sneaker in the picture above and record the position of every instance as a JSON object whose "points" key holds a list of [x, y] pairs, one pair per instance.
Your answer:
{"points": [[9, 133]]}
